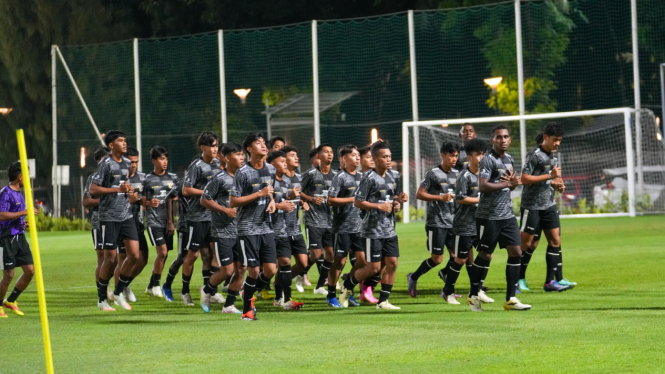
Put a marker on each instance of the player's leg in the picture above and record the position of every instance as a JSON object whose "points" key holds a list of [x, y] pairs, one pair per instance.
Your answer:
{"points": [[223, 255], [268, 257], [510, 239], [299, 252], [460, 247], [328, 258], [390, 255], [373, 249], [141, 262], [109, 239], [341, 246], [7, 276], [528, 230], [158, 239], [435, 241]]}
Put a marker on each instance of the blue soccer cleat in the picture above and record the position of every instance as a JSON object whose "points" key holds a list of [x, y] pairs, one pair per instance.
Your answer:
{"points": [[332, 302], [353, 302], [168, 296], [554, 286]]}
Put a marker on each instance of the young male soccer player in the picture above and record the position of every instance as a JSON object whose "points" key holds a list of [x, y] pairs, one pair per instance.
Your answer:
{"points": [[111, 183], [538, 209], [466, 133], [253, 194], [346, 219], [438, 190], [318, 219], [14, 249], [495, 221], [376, 196], [314, 158], [156, 187], [183, 206], [276, 143]]}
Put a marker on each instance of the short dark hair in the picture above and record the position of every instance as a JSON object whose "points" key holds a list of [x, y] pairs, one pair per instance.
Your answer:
{"points": [[346, 149], [272, 141], [363, 150], [313, 152], [158, 151], [231, 148], [289, 148], [449, 147], [320, 147], [539, 138], [461, 129], [133, 152], [100, 153], [497, 128], [207, 138], [379, 145], [14, 170], [475, 145], [251, 138], [112, 135], [275, 154], [553, 129]]}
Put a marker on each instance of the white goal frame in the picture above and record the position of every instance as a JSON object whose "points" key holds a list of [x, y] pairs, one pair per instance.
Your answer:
{"points": [[630, 160]]}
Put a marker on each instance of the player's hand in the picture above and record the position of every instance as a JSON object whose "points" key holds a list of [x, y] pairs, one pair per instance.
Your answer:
{"points": [[271, 207], [556, 172], [133, 197], [231, 212], [266, 191], [296, 191], [403, 197], [386, 207], [170, 228], [446, 198], [26, 225], [512, 179], [305, 205], [318, 200], [397, 206], [288, 206], [125, 187], [154, 203]]}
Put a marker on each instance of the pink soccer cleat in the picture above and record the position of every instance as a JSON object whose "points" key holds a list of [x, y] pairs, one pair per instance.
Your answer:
{"points": [[367, 295]]}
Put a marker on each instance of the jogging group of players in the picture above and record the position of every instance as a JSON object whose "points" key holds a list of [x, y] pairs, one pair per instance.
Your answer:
{"points": [[238, 211]]}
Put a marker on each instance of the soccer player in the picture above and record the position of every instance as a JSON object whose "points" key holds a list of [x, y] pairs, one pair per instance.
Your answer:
{"points": [[464, 222], [495, 221], [314, 158], [376, 196], [539, 211], [111, 183], [346, 219], [466, 133], [276, 143], [156, 187], [198, 174], [438, 190], [14, 249], [183, 205], [318, 219]]}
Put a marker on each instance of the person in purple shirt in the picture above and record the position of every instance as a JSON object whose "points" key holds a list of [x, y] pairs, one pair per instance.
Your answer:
{"points": [[14, 249]]}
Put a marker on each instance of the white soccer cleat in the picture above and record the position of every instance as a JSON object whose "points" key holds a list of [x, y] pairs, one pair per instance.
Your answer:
{"points": [[205, 300], [109, 293], [482, 296], [474, 304], [278, 303], [338, 286], [129, 295], [514, 304], [387, 305], [105, 307], [321, 291], [344, 295], [122, 302], [306, 280], [217, 298], [450, 299], [187, 299], [300, 286], [231, 310], [148, 291], [157, 292]]}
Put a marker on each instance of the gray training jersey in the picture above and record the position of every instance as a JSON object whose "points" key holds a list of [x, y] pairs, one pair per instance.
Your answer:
{"points": [[346, 219], [219, 189], [538, 196], [439, 182], [137, 181], [94, 216], [464, 223], [198, 174], [183, 204], [253, 219], [111, 174], [315, 184], [495, 205], [462, 161], [292, 220], [157, 187], [282, 190], [374, 188]]}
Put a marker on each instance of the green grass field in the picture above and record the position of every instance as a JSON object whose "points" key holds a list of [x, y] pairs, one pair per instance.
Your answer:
{"points": [[612, 322]]}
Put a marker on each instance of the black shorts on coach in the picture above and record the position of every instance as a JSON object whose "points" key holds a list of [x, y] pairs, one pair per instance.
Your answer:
{"points": [[376, 249], [344, 243], [226, 250], [533, 221], [257, 249], [318, 238], [198, 235], [14, 251], [115, 232], [504, 232], [158, 237], [437, 238]]}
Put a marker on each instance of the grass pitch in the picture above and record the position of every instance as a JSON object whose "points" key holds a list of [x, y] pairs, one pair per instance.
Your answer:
{"points": [[612, 322]]}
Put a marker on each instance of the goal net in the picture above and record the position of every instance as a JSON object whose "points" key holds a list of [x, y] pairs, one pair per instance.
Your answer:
{"points": [[605, 172]]}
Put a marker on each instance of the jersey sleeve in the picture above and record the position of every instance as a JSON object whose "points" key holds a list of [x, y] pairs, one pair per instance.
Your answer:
{"points": [[306, 183], [427, 180], [175, 191], [5, 201], [210, 190], [461, 187], [398, 182], [364, 189], [86, 190], [100, 174], [485, 167], [192, 174], [531, 163], [238, 184], [336, 186]]}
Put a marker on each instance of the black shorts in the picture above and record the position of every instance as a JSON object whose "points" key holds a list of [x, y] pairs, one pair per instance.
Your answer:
{"points": [[158, 237], [198, 235], [345, 243], [225, 250], [97, 239], [257, 249], [376, 249], [437, 238], [505, 232], [290, 245], [14, 251], [182, 237], [115, 232], [143, 244], [534, 221], [318, 238], [463, 244]]}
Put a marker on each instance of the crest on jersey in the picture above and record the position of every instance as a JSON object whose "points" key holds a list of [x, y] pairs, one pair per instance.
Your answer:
{"points": [[169, 185]]}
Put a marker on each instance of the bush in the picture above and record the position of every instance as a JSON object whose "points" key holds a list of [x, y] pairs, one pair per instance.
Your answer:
{"points": [[49, 223]]}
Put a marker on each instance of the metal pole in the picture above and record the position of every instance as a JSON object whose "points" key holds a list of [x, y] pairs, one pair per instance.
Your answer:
{"points": [[222, 83], [315, 82], [520, 78], [82, 207], [662, 99], [54, 121], [638, 101], [630, 163], [268, 118], [414, 101], [406, 171], [137, 100]]}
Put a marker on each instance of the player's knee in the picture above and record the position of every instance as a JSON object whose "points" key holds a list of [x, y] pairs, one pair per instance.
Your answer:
{"points": [[484, 255], [283, 261], [460, 260], [226, 271], [514, 251], [437, 259], [29, 271], [269, 271], [7, 276], [554, 242]]}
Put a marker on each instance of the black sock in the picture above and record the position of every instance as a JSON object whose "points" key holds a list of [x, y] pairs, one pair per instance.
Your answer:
{"points": [[279, 291], [213, 270], [250, 287], [169, 279], [103, 288], [319, 262], [512, 276], [526, 258], [559, 266], [129, 281], [552, 259], [97, 284], [261, 282], [450, 261], [185, 283], [323, 273], [155, 279], [352, 259], [286, 281], [122, 283], [451, 279], [231, 298], [309, 265], [373, 281], [228, 280], [332, 291], [14, 295], [385, 292], [479, 267], [350, 283], [206, 275], [426, 266], [210, 290]]}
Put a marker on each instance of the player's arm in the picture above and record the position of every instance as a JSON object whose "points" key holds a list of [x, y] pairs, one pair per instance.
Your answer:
{"points": [[340, 201], [461, 190], [335, 188], [360, 199], [237, 199], [191, 176], [422, 193], [208, 202], [484, 184], [10, 216], [304, 185], [89, 202], [97, 190], [530, 165]]}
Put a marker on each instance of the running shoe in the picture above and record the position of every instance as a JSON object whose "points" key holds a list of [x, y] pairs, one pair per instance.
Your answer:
{"points": [[292, 305], [412, 285], [474, 304], [387, 305], [522, 285], [566, 282], [168, 296], [332, 302], [353, 302], [554, 286], [514, 304]]}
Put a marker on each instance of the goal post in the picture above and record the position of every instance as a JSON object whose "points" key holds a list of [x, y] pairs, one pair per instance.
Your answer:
{"points": [[598, 145]]}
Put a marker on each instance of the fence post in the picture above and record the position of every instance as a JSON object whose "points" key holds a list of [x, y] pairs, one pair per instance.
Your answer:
{"points": [[54, 121], [520, 78], [222, 83], [414, 103], [315, 82], [406, 177], [630, 162], [137, 102], [636, 91]]}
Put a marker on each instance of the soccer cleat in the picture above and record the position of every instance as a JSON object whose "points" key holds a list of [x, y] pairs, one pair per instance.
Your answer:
{"points": [[231, 309], [120, 299], [450, 299], [338, 286], [554, 286], [306, 281], [4, 315], [264, 295], [292, 305], [249, 316], [13, 307], [168, 296], [412, 285], [344, 295], [300, 284], [333, 302], [148, 291], [522, 285], [474, 304], [387, 305], [103, 306], [186, 299], [565, 282], [321, 291], [217, 298], [367, 295], [157, 292], [482, 296], [109, 293], [353, 302], [278, 302], [129, 295], [514, 304], [205, 300]]}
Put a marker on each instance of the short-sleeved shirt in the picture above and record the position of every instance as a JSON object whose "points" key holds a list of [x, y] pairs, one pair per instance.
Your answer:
{"points": [[183, 204], [462, 161], [398, 181], [346, 219], [495, 205], [11, 201], [219, 189], [439, 182], [538, 196], [253, 219], [282, 189], [110, 173], [137, 181], [464, 223], [315, 184], [374, 188], [292, 220], [157, 187], [94, 215], [198, 174]]}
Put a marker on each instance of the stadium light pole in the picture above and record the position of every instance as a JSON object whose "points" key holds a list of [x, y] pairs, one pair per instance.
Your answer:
{"points": [[662, 97], [315, 83], [137, 102], [520, 78], [636, 92], [222, 83], [242, 94], [81, 178]]}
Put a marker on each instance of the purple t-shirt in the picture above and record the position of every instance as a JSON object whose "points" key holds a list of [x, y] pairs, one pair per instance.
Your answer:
{"points": [[11, 201]]}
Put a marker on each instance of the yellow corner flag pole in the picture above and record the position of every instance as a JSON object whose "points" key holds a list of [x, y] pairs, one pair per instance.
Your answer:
{"points": [[35, 249]]}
